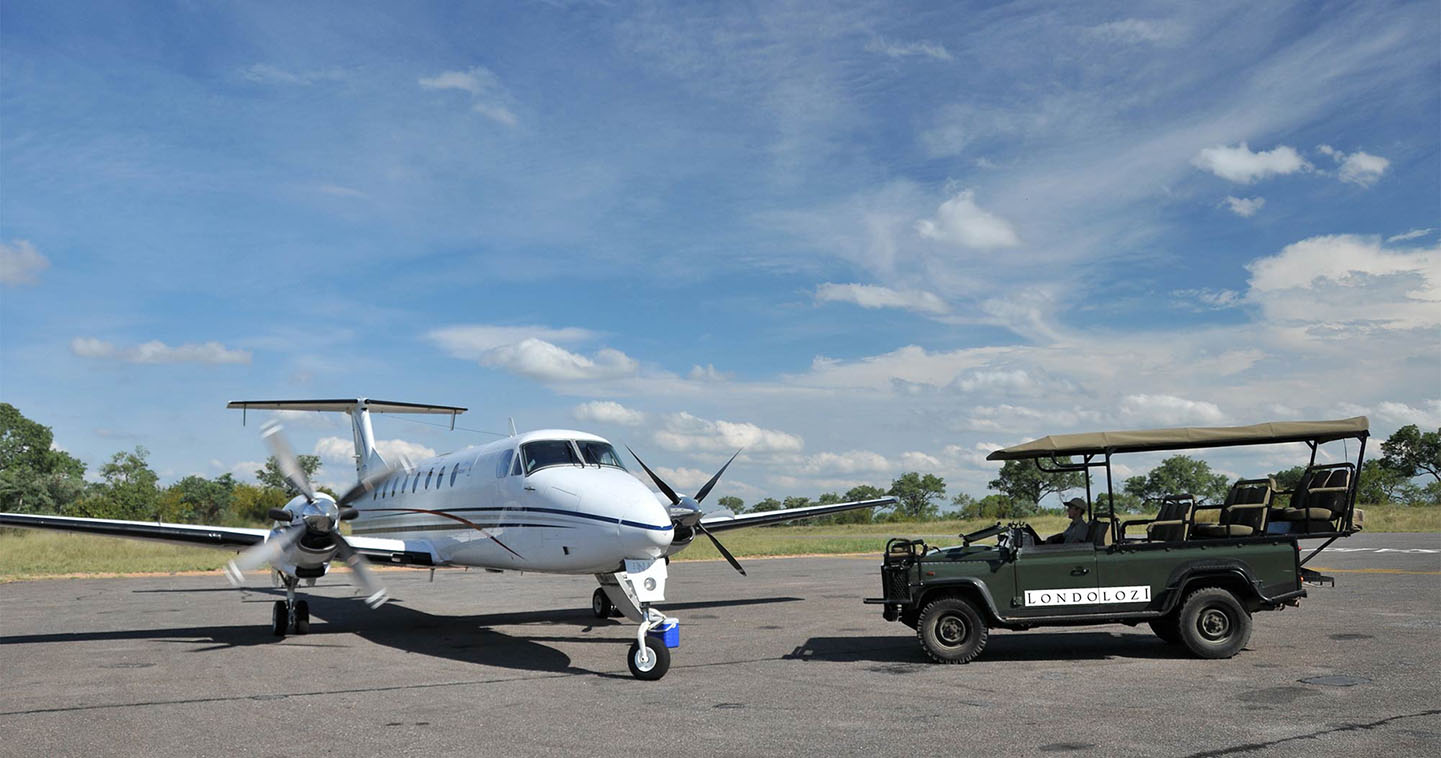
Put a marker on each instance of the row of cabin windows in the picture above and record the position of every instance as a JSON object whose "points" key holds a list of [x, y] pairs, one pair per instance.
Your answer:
{"points": [[402, 483], [534, 456]]}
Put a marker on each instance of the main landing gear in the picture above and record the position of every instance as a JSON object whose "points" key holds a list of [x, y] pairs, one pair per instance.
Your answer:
{"points": [[289, 615]]}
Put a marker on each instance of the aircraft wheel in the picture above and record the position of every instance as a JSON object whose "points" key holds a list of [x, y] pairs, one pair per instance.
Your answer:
{"points": [[656, 664], [952, 630], [1213, 623], [279, 619], [600, 604], [302, 617]]}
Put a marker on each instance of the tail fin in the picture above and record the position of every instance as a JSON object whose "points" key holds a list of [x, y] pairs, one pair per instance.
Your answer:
{"points": [[367, 458]]}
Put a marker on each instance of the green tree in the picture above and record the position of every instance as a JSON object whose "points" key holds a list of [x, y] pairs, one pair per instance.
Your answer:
{"points": [[1180, 475], [769, 504], [919, 496], [249, 504], [732, 504], [270, 475], [853, 495], [996, 506], [1381, 484], [34, 477], [1023, 482], [1125, 503], [1413, 453], [128, 492], [198, 500]]}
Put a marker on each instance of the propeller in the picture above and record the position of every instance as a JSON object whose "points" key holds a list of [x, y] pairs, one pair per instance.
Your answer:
{"points": [[327, 522], [685, 511]]}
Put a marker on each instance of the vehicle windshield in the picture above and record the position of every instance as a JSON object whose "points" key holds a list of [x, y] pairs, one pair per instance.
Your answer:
{"points": [[600, 453], [541, 453]]}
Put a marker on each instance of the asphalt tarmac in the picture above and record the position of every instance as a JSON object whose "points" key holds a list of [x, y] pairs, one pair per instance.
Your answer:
{"points": [[786, 661]]}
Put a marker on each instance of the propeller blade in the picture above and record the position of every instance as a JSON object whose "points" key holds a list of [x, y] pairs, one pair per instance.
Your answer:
{"points": [[256, 556], [366, 486], [285, 458], [375, 594], [699, 496], [718, 546], [664, 488]]}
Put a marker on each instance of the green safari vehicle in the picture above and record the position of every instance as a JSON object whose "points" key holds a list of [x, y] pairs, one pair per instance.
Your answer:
{"points": [[1195, 572]]}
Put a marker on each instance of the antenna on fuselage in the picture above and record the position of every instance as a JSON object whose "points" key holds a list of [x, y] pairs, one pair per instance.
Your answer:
{"points": [[512, 426]]}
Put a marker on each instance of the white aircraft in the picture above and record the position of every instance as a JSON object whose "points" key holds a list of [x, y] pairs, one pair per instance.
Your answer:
{"points": [[552, 501]]}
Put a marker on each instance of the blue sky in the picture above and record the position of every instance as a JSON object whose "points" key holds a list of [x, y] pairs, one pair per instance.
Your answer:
{"points": [[857, 239]]}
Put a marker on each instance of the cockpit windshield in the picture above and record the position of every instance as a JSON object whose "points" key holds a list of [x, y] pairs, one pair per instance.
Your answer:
{"points": [[541, 453], [600, 454]]}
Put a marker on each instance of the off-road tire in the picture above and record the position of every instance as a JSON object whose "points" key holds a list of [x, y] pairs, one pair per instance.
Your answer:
{"points": [[1213, 623], [951, 630], [1165, 628]]}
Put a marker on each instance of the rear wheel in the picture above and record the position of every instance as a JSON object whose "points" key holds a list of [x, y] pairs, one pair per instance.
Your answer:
{"points": [[951, 630], [1213, 623]]}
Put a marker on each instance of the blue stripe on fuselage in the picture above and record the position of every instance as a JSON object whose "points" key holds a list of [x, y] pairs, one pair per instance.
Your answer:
{"points": [[556, 511]]}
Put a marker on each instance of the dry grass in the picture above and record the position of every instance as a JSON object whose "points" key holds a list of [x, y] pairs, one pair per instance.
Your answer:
{"points": [[29, 554]]}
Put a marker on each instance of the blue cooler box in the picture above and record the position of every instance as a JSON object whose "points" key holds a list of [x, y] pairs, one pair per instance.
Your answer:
{"points": [[667, 634]]}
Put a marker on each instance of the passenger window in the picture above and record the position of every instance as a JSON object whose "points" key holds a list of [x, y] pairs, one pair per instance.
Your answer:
{"points": [[454, 473], [428, 476], [415, 486], [503, 467]]}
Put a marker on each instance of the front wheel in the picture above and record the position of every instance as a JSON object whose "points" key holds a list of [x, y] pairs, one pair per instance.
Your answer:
{"points": [[279, 619], [302, 617], [1213, 623], [653, 664], [952, 630]]}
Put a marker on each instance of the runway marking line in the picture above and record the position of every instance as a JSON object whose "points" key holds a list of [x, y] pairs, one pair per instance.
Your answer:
{"points": [[1379, 571]]}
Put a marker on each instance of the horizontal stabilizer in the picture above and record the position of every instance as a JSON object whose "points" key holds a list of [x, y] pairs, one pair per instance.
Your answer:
{"points": [[344, 405]]}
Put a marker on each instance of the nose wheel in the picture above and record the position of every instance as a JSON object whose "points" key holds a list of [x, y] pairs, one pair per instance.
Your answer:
{"points": [[289, 615]]}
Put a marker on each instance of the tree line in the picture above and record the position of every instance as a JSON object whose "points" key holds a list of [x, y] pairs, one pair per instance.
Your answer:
{"points": [[37, 478]]}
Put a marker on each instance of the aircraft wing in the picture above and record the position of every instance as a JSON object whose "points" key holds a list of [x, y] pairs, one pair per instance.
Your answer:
{"points": [[723, 523], [388, 552]]}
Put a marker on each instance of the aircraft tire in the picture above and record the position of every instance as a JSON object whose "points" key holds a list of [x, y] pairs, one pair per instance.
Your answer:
{"points": [[279, 619], [302, 617], [600, 604], [659, 665]]}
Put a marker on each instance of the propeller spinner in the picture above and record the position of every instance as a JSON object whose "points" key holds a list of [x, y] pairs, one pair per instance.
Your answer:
{"points": [[685, 511]]}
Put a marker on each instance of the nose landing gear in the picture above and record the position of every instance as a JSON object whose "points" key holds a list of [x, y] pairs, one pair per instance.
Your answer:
{"points": [[289, 615], [630, 593]]}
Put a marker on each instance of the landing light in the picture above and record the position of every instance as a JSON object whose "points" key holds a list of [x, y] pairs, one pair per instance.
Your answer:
{"points": [[649, 583]]}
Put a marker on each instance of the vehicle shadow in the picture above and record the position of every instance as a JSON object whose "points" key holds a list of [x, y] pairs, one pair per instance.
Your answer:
{"points": [[1027, 646], [469, 639]]}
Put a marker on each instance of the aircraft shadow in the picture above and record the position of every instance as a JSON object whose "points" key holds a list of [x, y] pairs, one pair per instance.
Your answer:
{"points": [[466, 639], [1028, 646]]}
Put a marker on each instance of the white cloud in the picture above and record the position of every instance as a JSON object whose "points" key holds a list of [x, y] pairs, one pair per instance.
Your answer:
{"points": [[1169, 410], [1238, 164], [907, 49], [1208, 298], [683, 432], [1411, 235], [1359, 168], [841, 464], [959, 221], [158, 352], [1245, 207], [1427, 417], [474, 341], [483, 85], [341, 450], [917, 461], [1132, 30], [608, 412], [872, 296], [1330, 281], [21, 263]]}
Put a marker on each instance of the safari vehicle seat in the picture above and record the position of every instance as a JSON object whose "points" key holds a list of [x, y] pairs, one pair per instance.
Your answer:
{"points": [[1172, 522], [1244, 512], [1319, 498]]}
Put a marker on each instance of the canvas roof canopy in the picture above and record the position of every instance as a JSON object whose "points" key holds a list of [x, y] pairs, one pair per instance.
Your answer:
{"points": [[1144, 440]]}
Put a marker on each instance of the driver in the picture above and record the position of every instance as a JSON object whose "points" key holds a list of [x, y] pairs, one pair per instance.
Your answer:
{"points": [[1077, 530]]}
